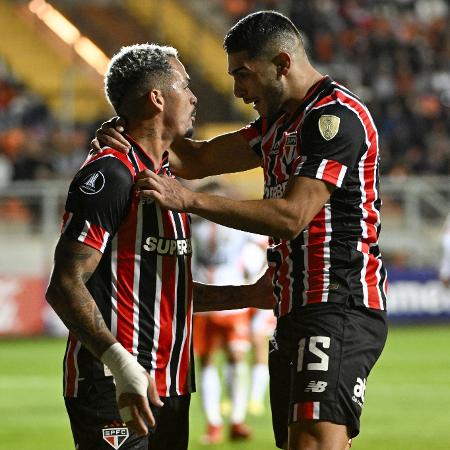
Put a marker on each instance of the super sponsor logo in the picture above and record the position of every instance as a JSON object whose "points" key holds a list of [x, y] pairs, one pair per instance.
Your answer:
{"points": [[170, 247]]}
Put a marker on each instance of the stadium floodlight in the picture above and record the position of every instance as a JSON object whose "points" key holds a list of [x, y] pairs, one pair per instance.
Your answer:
{"points": [[70, 34]]}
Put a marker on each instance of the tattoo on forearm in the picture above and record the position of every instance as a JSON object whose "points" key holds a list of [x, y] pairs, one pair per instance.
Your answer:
{"points": [[67, 293], [85, 276]]}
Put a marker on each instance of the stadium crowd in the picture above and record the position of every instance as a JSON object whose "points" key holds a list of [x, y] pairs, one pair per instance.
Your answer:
{"points": [[33, 144], [394, 53]]}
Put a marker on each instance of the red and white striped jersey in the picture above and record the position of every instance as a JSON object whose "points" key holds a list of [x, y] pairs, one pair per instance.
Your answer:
{"points": [[143, 284], [331, 137]]}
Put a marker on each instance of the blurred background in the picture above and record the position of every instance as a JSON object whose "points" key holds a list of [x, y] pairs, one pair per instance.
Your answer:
{"points": [[395, 54]]}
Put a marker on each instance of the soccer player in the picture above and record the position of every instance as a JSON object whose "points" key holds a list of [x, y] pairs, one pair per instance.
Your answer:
{"points": [[262, 325], [318, 147], [121, 281], [217, 260]]}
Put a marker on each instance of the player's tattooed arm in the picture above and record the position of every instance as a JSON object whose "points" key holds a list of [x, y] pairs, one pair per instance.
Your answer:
{"points": [[217, 298], [67, 294]]}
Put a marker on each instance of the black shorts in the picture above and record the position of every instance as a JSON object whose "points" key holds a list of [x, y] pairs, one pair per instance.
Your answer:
{"points": [[319, 364], [96, 423]]}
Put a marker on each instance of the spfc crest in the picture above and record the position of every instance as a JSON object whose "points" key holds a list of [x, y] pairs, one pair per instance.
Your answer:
{"points": [[329, 126], [291, 140], [115, 436]]}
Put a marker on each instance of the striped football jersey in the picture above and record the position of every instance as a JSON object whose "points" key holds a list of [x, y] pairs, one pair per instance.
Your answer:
{"points": [[143, 284], [336, 258]]}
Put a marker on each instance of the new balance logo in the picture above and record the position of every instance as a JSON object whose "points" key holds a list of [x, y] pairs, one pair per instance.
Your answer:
{"points": [[359, 391], [316, 386]]}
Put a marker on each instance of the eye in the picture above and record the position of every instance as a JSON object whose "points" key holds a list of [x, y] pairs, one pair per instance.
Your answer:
{"points": [[241, 76]]}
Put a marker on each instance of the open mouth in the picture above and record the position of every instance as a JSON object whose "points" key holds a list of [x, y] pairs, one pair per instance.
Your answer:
{"points": [[253, 101], [255, 104]]}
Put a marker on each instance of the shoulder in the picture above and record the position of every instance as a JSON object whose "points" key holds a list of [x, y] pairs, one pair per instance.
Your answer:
{"points": [[110, 166], [344, 104], [334, 119], [109, 156]]}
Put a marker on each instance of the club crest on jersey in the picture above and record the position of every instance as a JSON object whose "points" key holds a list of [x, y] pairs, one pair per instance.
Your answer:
{"points": [[329, 126], [115, 436], [291, 142], [93, 183]]}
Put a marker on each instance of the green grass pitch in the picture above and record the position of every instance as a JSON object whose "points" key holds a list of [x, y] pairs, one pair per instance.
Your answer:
{"points": [[407, 398]]}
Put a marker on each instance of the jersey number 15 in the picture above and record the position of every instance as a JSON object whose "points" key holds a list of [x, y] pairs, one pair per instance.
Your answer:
{"points": [[313, 342]]}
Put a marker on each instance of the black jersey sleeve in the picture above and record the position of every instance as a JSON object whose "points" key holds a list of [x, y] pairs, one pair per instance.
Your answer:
{"points": [[99, 198], [253, 134], [332, 141]]}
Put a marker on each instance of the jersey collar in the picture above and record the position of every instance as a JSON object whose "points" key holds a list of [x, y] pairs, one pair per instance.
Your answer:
{"points": [[146, 158]]}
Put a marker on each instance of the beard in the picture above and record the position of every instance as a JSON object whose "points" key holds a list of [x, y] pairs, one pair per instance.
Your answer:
{"points": [[189, 132], [274, 94]]}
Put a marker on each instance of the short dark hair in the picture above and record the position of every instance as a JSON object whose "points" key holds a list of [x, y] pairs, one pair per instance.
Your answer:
{"points": [[262, 32], [134, 67]]}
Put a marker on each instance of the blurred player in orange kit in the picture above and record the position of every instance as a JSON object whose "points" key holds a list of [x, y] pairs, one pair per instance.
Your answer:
{"points": [[262, 325], [218, 260]]}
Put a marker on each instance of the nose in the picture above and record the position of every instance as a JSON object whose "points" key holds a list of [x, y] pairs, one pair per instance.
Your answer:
{"points": [[237, 89], [193, 99]]}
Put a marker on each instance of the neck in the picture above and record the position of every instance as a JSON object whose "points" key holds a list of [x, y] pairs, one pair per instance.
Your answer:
{"points": [[150, 138], [301, 82]]}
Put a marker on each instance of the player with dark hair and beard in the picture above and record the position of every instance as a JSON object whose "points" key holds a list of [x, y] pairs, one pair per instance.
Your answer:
{"points": [[318, 147]]}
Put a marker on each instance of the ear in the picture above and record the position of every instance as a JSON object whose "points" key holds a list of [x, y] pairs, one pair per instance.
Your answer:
{"points": [[156, 99], [283, 61]]}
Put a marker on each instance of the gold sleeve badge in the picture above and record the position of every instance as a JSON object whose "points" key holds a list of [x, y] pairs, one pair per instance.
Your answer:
{"points": [[329, 126]]}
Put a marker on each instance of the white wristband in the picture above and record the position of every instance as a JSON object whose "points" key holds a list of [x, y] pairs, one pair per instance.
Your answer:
{"points": [[128, 374]]}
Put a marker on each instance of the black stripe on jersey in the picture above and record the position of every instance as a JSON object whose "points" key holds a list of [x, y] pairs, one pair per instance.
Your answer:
{"points": [[147, 288], [383, 276], [191, 369], [132, 158], [298, 267], [180, 309], [143, 157]]}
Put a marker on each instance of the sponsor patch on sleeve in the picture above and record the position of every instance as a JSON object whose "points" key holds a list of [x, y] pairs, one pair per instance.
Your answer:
{"points": [[93, 183]]}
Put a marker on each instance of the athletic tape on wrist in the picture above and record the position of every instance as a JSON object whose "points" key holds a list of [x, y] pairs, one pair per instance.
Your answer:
{"points": [[125, 413], [128, 374]]}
